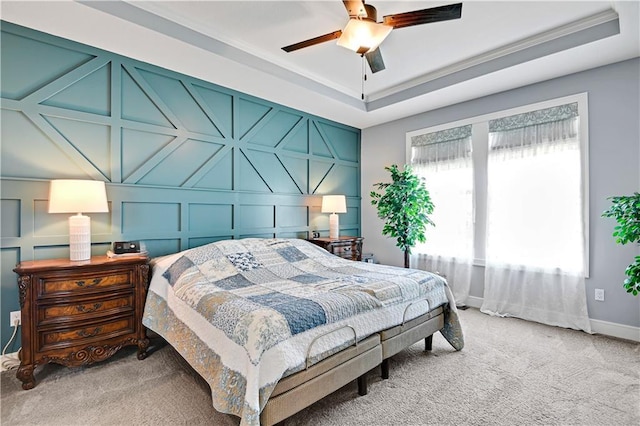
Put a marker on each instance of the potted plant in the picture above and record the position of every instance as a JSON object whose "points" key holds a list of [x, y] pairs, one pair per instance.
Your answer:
{"points": [[626, 211], [405, 206]]}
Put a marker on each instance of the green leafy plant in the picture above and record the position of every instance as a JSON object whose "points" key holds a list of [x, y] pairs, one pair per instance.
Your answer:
{"points": [[405, 205], [626, 211]]}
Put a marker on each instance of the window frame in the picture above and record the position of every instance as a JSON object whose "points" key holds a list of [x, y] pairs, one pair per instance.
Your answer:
{"points": [[479, 144]]}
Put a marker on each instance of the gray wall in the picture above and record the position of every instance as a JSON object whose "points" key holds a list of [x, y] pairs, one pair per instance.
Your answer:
{"points": [[614, 158]]}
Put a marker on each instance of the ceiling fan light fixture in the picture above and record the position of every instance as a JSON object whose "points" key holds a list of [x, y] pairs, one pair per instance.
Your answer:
{"points": [[360, 34]]}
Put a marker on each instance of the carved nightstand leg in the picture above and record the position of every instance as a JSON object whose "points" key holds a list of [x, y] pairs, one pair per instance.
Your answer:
{"points": [[143, 344], [25, 375]]}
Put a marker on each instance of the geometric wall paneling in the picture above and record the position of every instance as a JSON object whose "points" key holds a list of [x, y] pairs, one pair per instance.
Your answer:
{"points": [[274, 130], [217, 173], [10, 214], [139, 147], [137, 106], [53, 252], [351, 217], [50, 225], [186, 162], [210, 217], [180, 101], [344, 142], [29, 139], [249, 114], [298, 169], [162, 246], [34, 64], [272, 171], [220, 107], [252, 216], [299, 235], [83, 169], [249, 178], [341, 179], [318, 171], [146, 217], [92, 141], [180, 163], [298, 140], [292, 216], [318, 144], [90, 94], [258, 235], [200, 241]]}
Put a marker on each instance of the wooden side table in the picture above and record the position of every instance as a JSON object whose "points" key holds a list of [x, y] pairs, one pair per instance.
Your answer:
{"points": [[78, 313], [345, 247]]}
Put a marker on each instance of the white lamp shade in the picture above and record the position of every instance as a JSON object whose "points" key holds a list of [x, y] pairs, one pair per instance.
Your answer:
{"points": [[363, 35], [334, 204], [77, 196]]}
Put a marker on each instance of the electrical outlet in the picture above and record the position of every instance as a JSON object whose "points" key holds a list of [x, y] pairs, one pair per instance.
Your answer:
{"points": [[599, 294], [15, 316]]}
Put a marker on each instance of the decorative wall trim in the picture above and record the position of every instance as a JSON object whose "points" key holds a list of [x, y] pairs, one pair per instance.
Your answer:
{"points": [[186, 162]]}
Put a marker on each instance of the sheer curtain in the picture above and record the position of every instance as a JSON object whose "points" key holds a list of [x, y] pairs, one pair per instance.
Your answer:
{"points": [[443, 159], [535, 234]]}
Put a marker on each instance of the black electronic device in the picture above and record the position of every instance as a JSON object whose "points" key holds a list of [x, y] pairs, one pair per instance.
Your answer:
{"points": [[122, 247]]}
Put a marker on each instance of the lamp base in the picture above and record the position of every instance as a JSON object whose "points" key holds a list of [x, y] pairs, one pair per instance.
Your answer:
{"points": [[334, 226], [79, 237]]}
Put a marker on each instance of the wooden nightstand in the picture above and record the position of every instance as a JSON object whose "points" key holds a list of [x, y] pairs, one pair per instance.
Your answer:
{"points": [[345, 247], [78, 313]]}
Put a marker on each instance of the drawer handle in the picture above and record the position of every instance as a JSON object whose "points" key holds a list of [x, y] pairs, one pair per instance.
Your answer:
{"points": [[93, 282], [83, 333], [84, 309]]}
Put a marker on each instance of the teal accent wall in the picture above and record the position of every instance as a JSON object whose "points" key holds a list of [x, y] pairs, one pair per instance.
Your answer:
{"points": [[186, 162]]}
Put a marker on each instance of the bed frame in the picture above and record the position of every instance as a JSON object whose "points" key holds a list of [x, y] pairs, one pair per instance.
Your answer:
{"points": [[298, 391]]}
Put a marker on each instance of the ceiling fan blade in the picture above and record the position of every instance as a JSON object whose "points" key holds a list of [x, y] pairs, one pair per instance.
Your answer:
{"points": [[355, 8], [313, 41], [374, 58], [424, 16]]}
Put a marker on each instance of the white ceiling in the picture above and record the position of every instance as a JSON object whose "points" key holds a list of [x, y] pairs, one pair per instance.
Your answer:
{"points": [[495, 46]]}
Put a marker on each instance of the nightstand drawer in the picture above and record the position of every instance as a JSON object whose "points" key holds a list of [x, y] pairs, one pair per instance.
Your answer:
{"points": [[90, 308], [85, 334], [96, 281]]}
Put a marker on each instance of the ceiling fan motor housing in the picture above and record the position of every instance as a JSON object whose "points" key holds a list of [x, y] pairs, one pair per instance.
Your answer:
{"points": [[372, 13]]}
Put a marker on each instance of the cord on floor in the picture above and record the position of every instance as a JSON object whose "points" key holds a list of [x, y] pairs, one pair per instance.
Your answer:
{"points": [[10, 361]]}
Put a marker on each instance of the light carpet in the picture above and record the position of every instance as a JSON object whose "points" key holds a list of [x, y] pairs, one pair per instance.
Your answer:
{"points": [[511, 372]]}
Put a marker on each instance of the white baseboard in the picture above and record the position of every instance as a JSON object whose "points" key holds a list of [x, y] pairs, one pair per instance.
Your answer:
{"points": [[474, 302], [612, 329]]}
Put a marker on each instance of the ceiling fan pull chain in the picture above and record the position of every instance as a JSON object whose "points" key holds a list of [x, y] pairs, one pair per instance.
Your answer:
{"points": [[364, 76]]}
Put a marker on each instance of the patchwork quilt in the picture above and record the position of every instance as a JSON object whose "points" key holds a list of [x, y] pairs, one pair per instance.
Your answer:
{"points": [[245, 313]]}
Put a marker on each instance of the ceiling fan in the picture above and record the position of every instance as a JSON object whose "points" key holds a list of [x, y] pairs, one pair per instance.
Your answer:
{"points": [[363, 33]]}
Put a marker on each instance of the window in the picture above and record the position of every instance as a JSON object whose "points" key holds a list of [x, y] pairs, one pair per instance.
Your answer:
{"points": [[443, 159], [534, 190], [510, 192]]}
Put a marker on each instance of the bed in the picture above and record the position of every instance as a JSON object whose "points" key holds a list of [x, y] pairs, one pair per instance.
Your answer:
{"points": [[274, 325]]}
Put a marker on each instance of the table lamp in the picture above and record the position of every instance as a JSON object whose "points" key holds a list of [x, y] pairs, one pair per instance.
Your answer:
{"points": [[78, 196], [334, 204]]}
